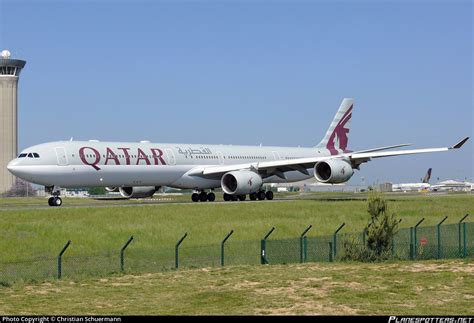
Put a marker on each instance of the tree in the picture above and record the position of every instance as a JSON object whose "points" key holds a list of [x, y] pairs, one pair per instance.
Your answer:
{"points": [[383, 224], [20, 188], [380, 231]]}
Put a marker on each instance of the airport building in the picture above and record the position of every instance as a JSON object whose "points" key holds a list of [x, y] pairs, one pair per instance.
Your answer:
{"points": [[9, 74]]}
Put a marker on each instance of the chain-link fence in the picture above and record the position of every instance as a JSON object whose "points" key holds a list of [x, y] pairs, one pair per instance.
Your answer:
{"points": [[415, 243]]}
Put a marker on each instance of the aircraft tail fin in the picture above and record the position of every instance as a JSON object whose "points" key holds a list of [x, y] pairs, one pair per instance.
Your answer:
{"points": [[336, 139], [427, 177]]}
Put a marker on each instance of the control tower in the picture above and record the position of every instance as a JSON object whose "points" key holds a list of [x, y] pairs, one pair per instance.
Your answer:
{"points": [[9, 74]]}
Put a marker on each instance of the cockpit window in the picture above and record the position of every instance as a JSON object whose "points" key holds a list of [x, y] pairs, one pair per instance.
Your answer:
{"points": [[36, 155], [22, 155], [30, 155]]}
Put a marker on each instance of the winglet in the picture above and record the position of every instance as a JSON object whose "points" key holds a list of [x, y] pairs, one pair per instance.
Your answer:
{"points": [[460, 144]]}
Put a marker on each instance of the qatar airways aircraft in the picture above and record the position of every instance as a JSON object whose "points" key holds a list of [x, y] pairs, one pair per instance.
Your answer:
{"points": [[139, 169]]}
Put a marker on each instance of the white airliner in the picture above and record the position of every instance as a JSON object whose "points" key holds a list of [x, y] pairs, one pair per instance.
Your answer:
{"points": [[422, 186], [139, 169]]}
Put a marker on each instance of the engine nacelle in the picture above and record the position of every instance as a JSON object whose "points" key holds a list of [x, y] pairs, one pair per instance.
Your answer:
{"points": [[112, 189], [333, 171], [241, 182], [138, 191]]}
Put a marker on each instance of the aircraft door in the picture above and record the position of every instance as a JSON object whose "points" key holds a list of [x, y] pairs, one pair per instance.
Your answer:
{"points": [[61, 156], [221, 157], [276, 155], [170, 158]]}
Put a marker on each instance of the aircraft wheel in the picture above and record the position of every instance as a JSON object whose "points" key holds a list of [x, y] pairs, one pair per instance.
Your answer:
{"points": [[253, 196], [242, 197], [57, 201], [203, 197], [227, 197], [261, 195], [269, 195], [195, 197], [234, 197], [211, 197], [50, 201]]}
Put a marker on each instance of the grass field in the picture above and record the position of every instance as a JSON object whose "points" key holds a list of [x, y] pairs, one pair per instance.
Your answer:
{"points": [[405, 288], [29, 231]]}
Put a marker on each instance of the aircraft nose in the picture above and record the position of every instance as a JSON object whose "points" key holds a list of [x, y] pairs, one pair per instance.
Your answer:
{"points": [[13, 166]]}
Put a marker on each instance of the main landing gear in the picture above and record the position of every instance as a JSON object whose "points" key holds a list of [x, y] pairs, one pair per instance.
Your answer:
{"points": [[203, 197], [211, 197], [54, 200], [260, 195]]}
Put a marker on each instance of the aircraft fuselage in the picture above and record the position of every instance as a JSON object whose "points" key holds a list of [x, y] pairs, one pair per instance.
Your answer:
{"points": [[91, 163]]}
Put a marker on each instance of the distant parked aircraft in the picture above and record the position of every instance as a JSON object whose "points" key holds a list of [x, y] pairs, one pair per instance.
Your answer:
{"points": [[139, 169], [424, 185], [452, 185]]}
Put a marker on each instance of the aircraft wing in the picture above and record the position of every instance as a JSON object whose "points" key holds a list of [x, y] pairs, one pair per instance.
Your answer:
{"points": [[302, 164], [364, 155]]}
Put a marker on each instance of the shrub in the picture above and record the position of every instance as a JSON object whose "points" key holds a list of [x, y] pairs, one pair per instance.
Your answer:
{"points": [[381, 228]]}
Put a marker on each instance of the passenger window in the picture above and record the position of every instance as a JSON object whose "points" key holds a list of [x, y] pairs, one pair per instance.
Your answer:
{"points": [[36, 155]]}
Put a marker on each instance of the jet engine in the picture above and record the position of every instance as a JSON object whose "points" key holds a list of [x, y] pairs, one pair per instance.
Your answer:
{"points": [[138, 191], [333, 171], [112, 189], [241, 182]]}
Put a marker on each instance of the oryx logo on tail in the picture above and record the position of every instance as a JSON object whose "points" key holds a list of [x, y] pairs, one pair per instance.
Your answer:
{"points": [[336, 139], [339, 139]]}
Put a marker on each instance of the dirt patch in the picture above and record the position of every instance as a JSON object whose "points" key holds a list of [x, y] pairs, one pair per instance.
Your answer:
{"points": [[309, 308], [246, 285], [305, 299], [42, 290], [121, 284], [456, 267]]}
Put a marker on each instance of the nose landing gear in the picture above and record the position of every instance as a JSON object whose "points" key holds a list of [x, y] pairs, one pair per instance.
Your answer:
{"points": [[54, 200]]}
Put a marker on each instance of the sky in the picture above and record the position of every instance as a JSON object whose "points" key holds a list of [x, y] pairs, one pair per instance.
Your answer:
{"points": [[249, 72]]}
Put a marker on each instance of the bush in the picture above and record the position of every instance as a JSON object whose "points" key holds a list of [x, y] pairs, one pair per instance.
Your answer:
{"points": [[381, 228]]}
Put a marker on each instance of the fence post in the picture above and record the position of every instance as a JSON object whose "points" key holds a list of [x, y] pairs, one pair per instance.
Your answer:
{"points": [[263, 256], [438, 229], [412, 253], [303, 247], [459, 233], [222, 246], [331, 250], [122, 254], [60, 258], [334, 238], [415, 245], [177, 250], [465, 239]]}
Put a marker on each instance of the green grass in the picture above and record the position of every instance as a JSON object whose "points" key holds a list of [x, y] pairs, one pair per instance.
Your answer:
{"points": [[404, 288], [97, 233], [33, 233]]}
